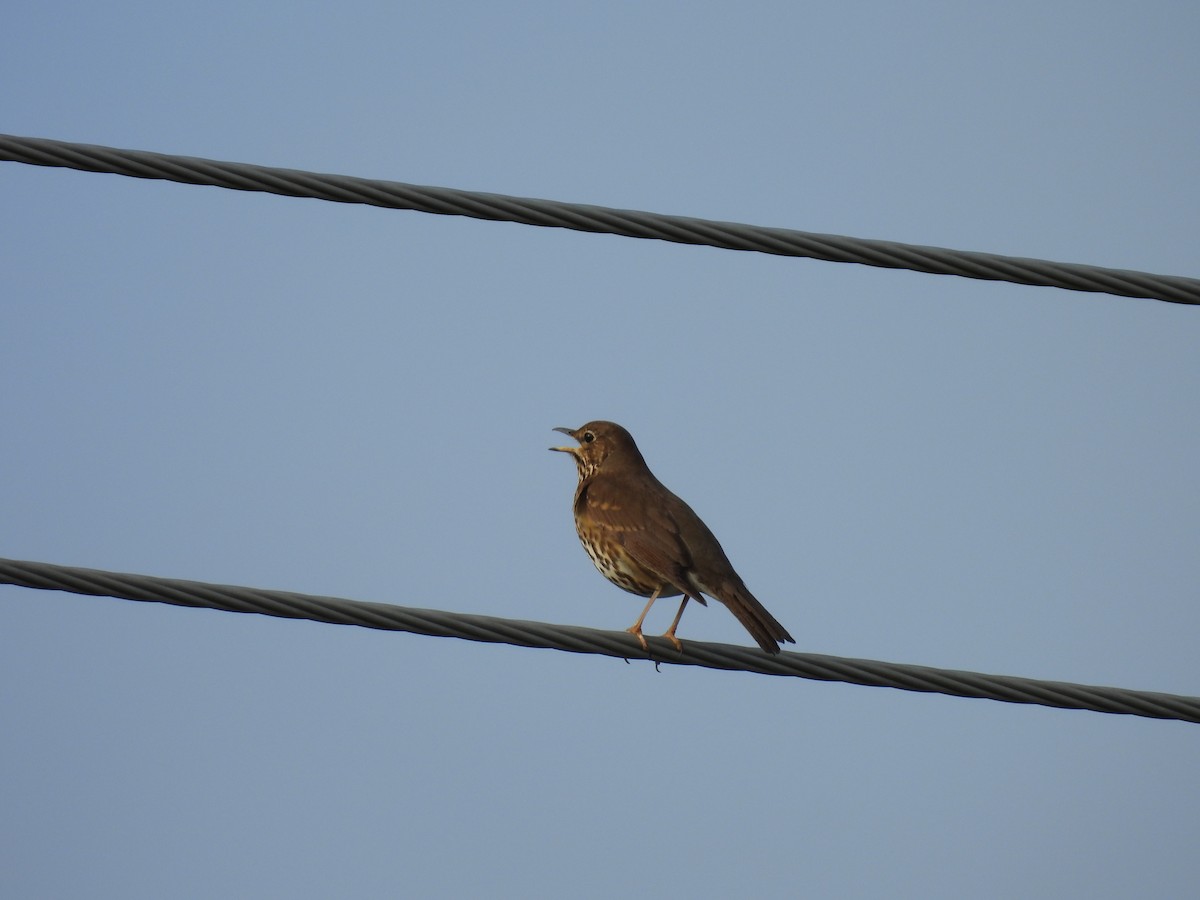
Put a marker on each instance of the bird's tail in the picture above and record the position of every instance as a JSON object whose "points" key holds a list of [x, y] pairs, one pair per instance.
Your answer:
{"points": [[763, 626]]}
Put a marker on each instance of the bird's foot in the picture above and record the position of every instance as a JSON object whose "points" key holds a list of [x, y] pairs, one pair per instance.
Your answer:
{"points": [[637, 633], [676, 642]]}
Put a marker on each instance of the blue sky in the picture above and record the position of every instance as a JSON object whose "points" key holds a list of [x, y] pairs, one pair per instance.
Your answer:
{"points": [[256, 390]]}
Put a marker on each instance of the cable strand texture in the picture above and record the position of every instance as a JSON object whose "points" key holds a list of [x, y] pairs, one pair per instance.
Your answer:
{"points": [[583, 217], [619, 644]]}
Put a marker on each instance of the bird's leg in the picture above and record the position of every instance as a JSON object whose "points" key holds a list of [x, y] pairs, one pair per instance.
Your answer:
{"points": [[669, 634], [636, 628]]}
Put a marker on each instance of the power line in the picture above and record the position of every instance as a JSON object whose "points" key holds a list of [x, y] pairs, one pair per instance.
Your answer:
{"points": [[583, 217], [618, 644]]}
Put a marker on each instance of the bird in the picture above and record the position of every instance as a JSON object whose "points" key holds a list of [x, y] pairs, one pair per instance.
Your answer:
{"points": [[647, 541]]}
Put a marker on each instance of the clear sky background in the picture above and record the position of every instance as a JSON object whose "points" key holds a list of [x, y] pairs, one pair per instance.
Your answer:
{"points": [[248, 389]]}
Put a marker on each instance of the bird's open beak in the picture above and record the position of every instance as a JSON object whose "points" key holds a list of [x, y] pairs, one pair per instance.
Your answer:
{"points": [[570, 433]]}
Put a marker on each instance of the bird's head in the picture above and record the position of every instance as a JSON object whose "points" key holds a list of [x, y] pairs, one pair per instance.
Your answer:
{"points": [[599, 441]]}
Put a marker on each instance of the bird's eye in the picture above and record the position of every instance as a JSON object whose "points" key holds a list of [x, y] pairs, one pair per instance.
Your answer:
{"points": [[588, 437]]}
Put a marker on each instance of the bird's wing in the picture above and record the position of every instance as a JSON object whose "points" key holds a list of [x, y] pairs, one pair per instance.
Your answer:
{"points": [[648, 533]]}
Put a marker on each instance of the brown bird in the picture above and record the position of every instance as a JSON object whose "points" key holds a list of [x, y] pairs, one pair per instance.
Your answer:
{"points": [[647, 541]]}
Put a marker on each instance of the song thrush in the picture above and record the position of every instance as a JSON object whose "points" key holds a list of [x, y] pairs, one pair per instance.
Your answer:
{"points": [[647, 541]]}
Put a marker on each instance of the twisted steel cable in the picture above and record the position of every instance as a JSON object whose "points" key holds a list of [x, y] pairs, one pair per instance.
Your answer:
{"points": [[583, 217], [618, 644]]}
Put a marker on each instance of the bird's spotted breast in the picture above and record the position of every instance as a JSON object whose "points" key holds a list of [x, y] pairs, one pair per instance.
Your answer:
{"points": [[614, 563]]}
